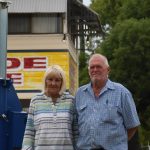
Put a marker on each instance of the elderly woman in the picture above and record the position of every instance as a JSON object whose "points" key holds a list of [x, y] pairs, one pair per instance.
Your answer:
{"points": [[51, 124]]}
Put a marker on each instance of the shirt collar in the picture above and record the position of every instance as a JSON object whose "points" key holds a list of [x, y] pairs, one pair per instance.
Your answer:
{"points": [[109, 85]]}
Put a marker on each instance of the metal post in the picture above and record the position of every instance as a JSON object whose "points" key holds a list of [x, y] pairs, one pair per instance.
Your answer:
{"points": [[3, 37], [3, 60]]}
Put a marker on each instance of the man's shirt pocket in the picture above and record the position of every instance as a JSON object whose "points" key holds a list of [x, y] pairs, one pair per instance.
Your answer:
{"points": [[110, 114]]}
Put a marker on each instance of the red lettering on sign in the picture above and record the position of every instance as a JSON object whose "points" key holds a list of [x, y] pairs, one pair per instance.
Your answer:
{"points": [[27, 63], [13, 63], [35, 62], [16, 77]]}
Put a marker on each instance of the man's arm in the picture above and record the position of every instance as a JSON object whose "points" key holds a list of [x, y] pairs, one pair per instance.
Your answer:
{"points": [[131, 132]]}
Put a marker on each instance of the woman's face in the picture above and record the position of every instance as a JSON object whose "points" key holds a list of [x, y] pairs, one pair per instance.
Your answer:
{"points": [[53, 84]]}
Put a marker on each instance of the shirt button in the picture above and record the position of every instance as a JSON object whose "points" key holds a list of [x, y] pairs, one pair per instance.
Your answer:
{"points": [[94, 110], [92, 127]]}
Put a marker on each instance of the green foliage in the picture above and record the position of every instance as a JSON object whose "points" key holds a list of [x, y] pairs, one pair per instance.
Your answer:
{"points": [[144, 136], [84, 77], [83, 71], [135, 9], [108, 10], [112, 11]]}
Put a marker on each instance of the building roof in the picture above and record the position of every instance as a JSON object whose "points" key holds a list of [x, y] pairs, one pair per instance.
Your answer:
{"points": [[84, 17], [37, 6]]}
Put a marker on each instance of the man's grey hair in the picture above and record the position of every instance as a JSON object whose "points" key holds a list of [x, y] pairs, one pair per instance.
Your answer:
{"points": [[100, 56]]}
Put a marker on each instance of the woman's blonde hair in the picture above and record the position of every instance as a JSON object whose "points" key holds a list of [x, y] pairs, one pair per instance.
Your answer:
{"points": [[58, 70]]}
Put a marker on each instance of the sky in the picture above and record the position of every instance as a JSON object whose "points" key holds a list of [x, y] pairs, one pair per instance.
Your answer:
{"points": [[86, 2]]}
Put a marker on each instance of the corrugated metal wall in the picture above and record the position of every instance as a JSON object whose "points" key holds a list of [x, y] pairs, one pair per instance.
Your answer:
{"points": [[38, 6]]}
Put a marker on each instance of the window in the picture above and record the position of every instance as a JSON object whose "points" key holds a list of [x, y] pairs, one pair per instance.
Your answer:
{"points": [[19, 23], [35, 23]]}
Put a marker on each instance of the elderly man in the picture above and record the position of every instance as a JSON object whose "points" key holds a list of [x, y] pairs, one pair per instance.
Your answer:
{"points": [[106, 112]]}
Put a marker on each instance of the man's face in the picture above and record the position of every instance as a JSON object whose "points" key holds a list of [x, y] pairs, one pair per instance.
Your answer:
{"points": [[98, 70]]}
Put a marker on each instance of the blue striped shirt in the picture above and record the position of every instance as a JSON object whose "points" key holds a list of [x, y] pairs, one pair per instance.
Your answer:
{"points": [[103, 121], [49, 126]]}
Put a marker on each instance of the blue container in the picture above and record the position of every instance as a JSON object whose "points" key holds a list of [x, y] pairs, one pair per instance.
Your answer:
{"points": [[12, 119]]}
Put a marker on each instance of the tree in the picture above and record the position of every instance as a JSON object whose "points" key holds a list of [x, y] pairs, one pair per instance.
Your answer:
{"points": [[134, 9], [83, 73], [112, 11], [108, 11]]}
